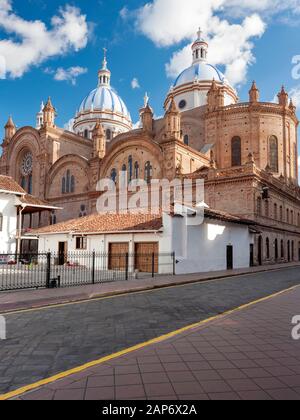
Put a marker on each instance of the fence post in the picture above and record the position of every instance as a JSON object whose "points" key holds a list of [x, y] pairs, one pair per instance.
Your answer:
{"points": [[48, 270], [174, 263], [153, 264], [127, 266], [93, 267]]}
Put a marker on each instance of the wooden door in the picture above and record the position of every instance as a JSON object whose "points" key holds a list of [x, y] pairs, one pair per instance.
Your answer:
{"points": [[144, 256], [117, 256]]}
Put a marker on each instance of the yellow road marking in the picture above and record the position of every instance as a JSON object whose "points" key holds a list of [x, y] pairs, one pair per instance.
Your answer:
{"points": [[155, 289], [102, 360]]}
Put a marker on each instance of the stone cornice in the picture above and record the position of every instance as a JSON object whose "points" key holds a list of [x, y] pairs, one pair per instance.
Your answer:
{"points": [[259, 108], [58, 133]]}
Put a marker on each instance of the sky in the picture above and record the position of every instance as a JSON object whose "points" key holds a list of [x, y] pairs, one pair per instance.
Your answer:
{"points": [[54, 48]]}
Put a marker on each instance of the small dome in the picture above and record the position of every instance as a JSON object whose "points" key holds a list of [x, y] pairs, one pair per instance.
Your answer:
{"points": [[104, 98], [200, 71]]}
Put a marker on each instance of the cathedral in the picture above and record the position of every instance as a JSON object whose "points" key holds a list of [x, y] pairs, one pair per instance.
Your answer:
{"points": [[245, 152]]}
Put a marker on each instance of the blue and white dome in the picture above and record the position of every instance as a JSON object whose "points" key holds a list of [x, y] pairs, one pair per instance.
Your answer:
{"points": [[192, 85], [105, 105], [104, 98], [200, 71]]}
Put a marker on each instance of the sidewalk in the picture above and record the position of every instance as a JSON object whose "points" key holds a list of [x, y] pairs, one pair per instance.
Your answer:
{"points": [[28, 299], [247, 354]]}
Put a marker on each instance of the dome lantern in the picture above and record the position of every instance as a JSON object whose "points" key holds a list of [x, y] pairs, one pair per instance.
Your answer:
{"points": [[104, 74], [199, 48]]}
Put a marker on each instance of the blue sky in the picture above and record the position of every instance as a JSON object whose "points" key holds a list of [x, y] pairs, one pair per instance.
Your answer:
{"points": [[254, 42]]}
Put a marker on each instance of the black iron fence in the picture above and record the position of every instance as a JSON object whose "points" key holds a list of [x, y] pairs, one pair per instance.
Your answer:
{"points": [[51, 270]]}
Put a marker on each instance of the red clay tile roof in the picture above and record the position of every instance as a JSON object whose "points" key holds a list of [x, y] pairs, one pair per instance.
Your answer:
{"points": [[9, 184], [101, 223]]}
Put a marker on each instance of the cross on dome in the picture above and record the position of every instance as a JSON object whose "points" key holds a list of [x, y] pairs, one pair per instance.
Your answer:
{"points": [[199, 33], [104, 62]]}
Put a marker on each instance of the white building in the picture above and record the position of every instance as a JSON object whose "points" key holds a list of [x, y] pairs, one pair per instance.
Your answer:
{"points": [[15, 204], [221, 242]]}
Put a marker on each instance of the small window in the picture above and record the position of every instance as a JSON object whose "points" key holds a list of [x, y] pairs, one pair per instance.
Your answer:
{"points": [[113, 175], [148, 172], [108, 134], [136, 170], [81, 242], [236, 151], [1, 222], [273, 154], [182, 104], [186, 140], [86, 134]]}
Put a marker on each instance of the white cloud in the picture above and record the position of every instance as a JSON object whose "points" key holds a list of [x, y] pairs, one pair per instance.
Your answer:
{"points": [[170, 22], [268, 7], [294, 93], [69, 75], [30, 43], [135, 83]]}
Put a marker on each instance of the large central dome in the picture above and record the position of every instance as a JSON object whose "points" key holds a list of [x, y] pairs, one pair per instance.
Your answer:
{"points": [[105, 105], [104, 98]]}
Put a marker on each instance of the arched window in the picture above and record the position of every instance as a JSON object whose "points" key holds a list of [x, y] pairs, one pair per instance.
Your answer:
{"points": [[186, 140], [30, 184], [130, 169], [287, 216], [268, 248], [68, 183], [26, 180], [72, 187], [63, 185], [281, 213], [53, 218], [23, 182], [292, 217], [236, 151], [86, 134], [136, 170], [113, 175], [148, 172], [108, 134], [1, 222], [82, 212], [273, 153]]}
